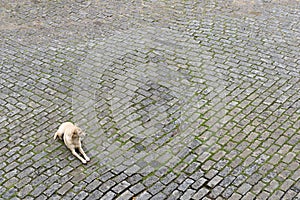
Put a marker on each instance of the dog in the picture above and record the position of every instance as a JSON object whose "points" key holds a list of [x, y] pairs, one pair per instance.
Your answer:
{"points": [[71, 134]]}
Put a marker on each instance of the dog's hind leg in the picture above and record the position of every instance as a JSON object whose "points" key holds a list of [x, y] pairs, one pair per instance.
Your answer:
{"points": [[55, 136], [59, 133]]}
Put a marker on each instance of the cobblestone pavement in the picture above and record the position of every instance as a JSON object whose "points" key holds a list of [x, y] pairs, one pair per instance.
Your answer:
{"points": [[179, 99]]}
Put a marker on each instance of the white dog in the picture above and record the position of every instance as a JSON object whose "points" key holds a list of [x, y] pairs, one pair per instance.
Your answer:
{"points": [[71, 135]]}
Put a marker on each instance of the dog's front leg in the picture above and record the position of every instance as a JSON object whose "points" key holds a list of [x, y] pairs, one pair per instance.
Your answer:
{"points": [[84, 155], [76, 155]]}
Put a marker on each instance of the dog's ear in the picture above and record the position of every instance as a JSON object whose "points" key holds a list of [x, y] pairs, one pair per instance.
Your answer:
{"points": [[80, 131]]}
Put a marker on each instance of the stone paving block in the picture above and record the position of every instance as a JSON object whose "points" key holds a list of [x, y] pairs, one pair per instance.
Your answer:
{"points": [[94, 195], [213, 182], [25, 191], [170, 188], [109, 195], [93, 185], [121, 186], [185, 185], [135, 189], [23, 182], [263, 195], [243, 189], [52, 189], [277, 195], [216, 191], [67, 186], [290, 194], [201, 193], [91, 177], [126, 195], [249, 196], [106, 186], [228, 192], [175, 195], [235, 196], [135, 178], [258, 187], [158, 186], [144, 195], [159, 196], [81, 195], [188, 194], [38, 190]]}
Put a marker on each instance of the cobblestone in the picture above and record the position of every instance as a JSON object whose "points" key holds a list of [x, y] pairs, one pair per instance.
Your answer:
{"points": [[179, 99]]}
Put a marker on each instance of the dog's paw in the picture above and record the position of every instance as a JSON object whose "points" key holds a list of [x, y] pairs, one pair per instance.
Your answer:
{"points": [[84, 162], [88, 159]]}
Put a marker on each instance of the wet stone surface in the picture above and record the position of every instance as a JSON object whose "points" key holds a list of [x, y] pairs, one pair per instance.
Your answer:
{"points": [[179, 100]]}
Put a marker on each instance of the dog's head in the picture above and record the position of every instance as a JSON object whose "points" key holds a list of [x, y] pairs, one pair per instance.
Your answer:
{"points": [[78, 132]]}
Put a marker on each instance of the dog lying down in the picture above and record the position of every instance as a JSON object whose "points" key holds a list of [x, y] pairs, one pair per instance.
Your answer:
{"points": [[71, 134]]}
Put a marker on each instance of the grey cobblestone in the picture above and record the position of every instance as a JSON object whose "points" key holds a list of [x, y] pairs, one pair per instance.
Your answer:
{"points": [[109, 195], [120, 187], [126, 195], [94, 195], [179, 99], [144, 195], [93, 185], [65, 188], [201, 193]]}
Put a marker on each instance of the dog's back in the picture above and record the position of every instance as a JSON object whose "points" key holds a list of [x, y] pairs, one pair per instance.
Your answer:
{"points": [[63, 129]]}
